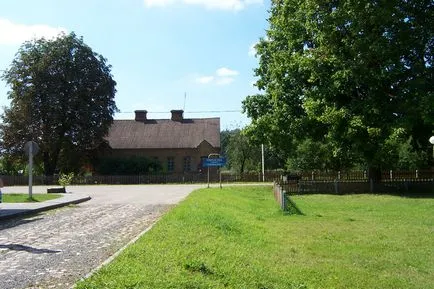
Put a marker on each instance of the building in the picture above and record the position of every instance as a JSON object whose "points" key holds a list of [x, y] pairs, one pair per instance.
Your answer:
{"points": [[178, 144]]}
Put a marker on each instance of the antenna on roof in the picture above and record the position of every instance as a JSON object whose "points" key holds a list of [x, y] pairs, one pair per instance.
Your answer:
{"points": [[185, 99]]}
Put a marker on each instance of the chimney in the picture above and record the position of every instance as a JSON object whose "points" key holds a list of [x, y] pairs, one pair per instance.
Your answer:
{"points": [[140, 115], [177, 115]]}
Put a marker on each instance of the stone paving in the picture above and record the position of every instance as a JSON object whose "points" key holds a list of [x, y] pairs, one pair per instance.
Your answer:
{"points": [[57, 248]]}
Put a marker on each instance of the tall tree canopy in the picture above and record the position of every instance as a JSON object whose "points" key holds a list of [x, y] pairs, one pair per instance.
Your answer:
{"points": [[243, 155], [355, 77], [62, 96]]}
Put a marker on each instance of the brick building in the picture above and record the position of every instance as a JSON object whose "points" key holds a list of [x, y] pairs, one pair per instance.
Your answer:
{"points": [[178, 144]]}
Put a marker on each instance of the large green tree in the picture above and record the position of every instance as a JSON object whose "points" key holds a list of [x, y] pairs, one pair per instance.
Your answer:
{"points": [[62, 97], [241, 154], [244, 154], [353, 76]]}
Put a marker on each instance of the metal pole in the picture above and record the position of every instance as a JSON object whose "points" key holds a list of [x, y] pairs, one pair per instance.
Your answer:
{"points": [[30, 169], [220, 177], [208, 177], [263, 165]]}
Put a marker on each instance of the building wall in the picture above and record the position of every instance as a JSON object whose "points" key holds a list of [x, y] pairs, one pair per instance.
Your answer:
{"points": [[178, 155]]}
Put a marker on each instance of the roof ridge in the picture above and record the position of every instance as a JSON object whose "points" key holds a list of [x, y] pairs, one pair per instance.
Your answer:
{"points": [[168, 119]]}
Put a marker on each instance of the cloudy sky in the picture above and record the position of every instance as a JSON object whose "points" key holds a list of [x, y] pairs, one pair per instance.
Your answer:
{"points": [[194, 55]]}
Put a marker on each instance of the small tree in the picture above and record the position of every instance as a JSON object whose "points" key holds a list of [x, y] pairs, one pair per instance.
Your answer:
{"points": [[65, 179]]}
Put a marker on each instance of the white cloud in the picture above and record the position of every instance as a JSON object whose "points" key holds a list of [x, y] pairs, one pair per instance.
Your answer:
{"points": [[222, 76], [252, 49], [225, 80], [233, 5], [223, 72], [14, 33], [151, 3], [205, 79]]}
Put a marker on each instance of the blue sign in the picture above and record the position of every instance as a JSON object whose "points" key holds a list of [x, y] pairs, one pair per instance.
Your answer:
{"points": [[219, 162]]}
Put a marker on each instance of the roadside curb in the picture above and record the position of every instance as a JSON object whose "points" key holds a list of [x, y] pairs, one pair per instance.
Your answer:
{"points": [[116, 254], [55, 205]]}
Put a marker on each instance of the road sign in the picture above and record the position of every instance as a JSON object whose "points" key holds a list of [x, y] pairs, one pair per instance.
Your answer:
{"points": [[31, 145], [31, 148], [218, 162]]}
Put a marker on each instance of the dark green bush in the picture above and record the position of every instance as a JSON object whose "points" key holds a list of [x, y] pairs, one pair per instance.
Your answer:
{"points": [[127, 166]]}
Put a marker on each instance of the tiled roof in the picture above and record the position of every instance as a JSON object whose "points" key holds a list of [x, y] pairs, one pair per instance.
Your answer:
{"points": [[164, 133]]}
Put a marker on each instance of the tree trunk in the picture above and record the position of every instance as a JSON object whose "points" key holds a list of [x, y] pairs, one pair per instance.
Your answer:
{"points": [[374, 173], [49, 166]]}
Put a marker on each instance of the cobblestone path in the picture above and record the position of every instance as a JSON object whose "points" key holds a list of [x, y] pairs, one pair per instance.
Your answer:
{"points": [[57, 248]]}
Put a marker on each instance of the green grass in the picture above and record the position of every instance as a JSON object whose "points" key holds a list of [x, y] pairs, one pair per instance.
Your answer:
{"points": [[238, 238], [24, 198]]}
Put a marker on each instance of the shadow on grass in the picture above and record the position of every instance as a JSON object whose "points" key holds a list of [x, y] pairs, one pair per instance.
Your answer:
{"points": [[413, 195], [291, 207]]}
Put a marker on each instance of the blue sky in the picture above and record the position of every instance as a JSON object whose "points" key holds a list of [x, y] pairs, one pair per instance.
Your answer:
{"points": [[160, 50]]}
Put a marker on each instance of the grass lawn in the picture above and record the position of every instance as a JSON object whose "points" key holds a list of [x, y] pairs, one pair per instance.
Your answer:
{"points": [[237, 238], [24, 198]]}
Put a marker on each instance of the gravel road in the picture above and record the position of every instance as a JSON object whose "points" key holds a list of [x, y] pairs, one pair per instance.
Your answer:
{"points": [[55, 249]]}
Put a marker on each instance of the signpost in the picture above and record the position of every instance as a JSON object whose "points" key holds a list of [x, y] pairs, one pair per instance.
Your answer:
{"points": [[214, 160], [220, 162], [31, 148]]}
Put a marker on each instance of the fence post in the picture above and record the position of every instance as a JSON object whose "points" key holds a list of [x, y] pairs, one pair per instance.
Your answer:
{"points": [[339, 175], [417, 174], [337, 186], [364, 174], [313, 175], [371, 185], [391, 174]]}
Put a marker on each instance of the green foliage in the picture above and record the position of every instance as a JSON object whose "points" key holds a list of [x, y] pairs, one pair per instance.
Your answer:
{"points": [[24, 198], [10, 165], [309, 155], [127, 166], [65, 179], [237, 237], [346, 74], [62, 96], [244, 154]]}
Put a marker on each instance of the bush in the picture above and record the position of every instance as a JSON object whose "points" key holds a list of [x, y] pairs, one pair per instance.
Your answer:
{"points": [[127, 166], [66, 179]]}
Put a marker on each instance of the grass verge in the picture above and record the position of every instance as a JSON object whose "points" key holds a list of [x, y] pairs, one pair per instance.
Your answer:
{"points": [[24, 198], [238, 238]]}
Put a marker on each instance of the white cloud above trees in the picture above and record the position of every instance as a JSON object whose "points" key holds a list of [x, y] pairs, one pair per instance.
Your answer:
{"points": [[231, 5], [252, 49], [222, 76], [224, 72], [15, 33]]}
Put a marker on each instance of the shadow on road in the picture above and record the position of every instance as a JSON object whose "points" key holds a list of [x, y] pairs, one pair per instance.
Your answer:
{"points": [[18, 247], [14, 222]]}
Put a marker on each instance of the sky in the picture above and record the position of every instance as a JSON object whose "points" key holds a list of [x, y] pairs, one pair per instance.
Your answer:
{"points": [[196, 55]]}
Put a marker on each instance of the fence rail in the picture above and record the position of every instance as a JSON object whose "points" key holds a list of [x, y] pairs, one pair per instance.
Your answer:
{"points": [[417, 182], [145, 179], [363, 175], [403, 183]]}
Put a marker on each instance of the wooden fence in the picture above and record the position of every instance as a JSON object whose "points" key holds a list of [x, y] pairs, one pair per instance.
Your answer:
{"points": [[146, 179], [363, 175], [392, 182]]}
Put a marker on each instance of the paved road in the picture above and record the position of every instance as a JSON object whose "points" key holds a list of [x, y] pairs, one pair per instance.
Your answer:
{"points": [[56, 248]]}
